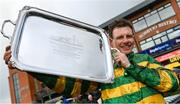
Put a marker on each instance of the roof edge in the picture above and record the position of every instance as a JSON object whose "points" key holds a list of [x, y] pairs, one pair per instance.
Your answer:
{"points": [[128, 12]]}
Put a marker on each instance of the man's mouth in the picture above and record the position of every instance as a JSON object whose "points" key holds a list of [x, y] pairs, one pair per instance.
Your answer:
{"points": [[126, 47]]}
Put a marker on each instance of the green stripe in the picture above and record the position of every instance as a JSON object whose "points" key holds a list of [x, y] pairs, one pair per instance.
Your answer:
{"points": [[85, 86], [147, 91], [174, 81], [152, 77], [115, 66], [48, 80], [118, 81], [133, 97], [145, 75], [69, 86], [136, 58]]}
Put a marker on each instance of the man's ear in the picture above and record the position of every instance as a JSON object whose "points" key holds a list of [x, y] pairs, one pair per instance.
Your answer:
{"points": [[111, 42]]}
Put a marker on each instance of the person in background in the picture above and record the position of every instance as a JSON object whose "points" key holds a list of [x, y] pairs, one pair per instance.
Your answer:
{"points": [[139, 78]]}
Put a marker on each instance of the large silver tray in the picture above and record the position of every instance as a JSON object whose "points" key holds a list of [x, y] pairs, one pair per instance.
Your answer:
{"points": [[45, 42]]}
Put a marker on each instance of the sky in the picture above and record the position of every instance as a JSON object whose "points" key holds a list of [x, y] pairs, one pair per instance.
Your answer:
{"points": [[94, 12]]}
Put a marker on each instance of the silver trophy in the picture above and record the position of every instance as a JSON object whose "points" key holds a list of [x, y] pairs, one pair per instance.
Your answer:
{"points": [[45, 42]]}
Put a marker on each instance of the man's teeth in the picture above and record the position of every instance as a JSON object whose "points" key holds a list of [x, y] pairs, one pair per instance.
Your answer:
{"points": [[125, 47]]}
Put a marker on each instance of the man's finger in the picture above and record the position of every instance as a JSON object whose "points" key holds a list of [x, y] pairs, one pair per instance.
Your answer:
{"points": [[10, 66], [7, 57], [8, 48]]}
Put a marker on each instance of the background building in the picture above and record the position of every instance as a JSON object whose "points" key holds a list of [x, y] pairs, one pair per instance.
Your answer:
{"points": [[22, 87], [157, 29], [26, 89]]}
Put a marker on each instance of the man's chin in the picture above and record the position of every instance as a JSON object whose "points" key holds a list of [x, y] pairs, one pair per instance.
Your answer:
{"points": [[126, 51]]}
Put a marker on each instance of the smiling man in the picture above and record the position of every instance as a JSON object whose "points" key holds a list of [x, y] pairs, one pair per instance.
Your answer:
{"points": [[138, 78]]}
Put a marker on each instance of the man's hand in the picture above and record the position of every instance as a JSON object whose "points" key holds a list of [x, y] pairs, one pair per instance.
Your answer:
{"points": [[7, 56], [122, 59]]}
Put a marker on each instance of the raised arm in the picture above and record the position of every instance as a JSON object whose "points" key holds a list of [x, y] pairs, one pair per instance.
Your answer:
{"points": [[68, 87]]}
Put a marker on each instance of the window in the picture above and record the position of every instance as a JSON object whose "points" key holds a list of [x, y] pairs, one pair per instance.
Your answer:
{"points": [[166, 13], [178, 1], [135, 50], [154, 17], [170, 30], [147, 45], [36, 85], [16, 87], [177, 27], [149, 39], [160, 38], [151, 20], [134, 21], [142, 42], [174, 34], [157, 41], [159, 35], [139, 25], [167, 5], [164, 39], [160, 8], [153, 12]]}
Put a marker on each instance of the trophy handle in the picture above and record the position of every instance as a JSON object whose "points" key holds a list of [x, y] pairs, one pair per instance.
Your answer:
{"points": [[2, 28]]}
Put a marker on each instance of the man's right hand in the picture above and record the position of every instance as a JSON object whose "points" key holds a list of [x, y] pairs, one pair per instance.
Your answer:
{"points": [[7, 56]]}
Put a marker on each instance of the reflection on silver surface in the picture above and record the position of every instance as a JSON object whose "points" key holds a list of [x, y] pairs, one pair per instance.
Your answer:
{"points": [[50, 45]]}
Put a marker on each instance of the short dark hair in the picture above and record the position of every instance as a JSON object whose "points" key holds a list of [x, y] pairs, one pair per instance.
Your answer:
{"points": [[117, 24]]}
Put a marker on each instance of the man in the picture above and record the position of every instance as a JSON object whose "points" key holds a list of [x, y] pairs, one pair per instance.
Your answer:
{"points": [[138, 78]]}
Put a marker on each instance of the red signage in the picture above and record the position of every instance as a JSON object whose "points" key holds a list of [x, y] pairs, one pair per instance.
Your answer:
{"points": [[168, 56]]}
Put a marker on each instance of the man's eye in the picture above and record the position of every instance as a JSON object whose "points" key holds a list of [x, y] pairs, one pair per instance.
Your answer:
{"points": [[120, 37], [129, 36]]}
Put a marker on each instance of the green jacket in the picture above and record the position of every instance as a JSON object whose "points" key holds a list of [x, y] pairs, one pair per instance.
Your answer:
{"points": [[144, 81]]}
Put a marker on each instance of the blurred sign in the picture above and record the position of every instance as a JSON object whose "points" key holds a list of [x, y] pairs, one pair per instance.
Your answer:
{"points": [[163, 46], [168, 56]]}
